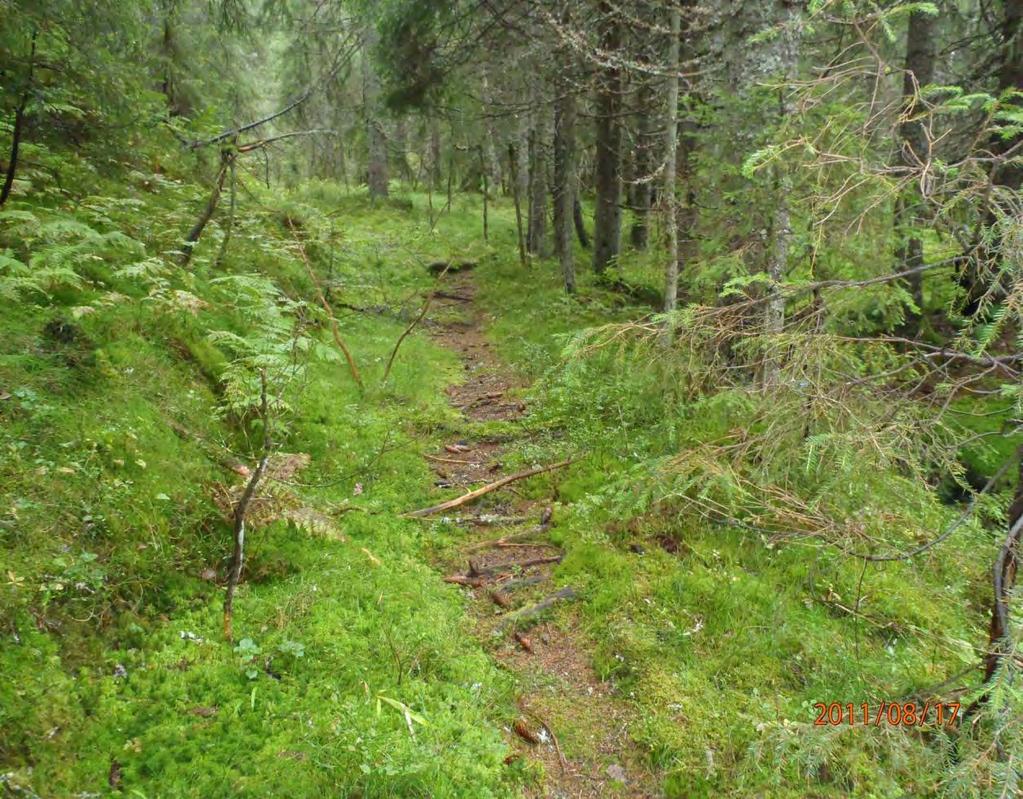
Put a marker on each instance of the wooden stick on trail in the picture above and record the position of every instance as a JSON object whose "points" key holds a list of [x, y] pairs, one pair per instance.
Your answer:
{"points": [[479, 492]]}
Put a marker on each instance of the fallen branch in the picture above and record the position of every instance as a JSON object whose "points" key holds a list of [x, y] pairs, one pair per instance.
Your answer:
{"points": [[554, 738], [445, 295], [410, 328], [226, 159], [502, 568], [238, 555], [471, 582], [522, 582], [535, 610], [450, 460], [440, 267], [499, 598], [479, 492], [335, 331], [512, 541]]}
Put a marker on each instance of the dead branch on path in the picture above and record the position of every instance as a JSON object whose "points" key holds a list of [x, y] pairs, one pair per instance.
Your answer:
{"points": [[479, 492], [411, 327], [512, 541], [543, 723], [335, 331], [450, 460], [471, 582], [475, 570], [499, 598], [535, 610], [238, 555]]}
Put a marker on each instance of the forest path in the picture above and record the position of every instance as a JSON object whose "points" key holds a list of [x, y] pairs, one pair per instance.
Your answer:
{"points": [[569, 719]]}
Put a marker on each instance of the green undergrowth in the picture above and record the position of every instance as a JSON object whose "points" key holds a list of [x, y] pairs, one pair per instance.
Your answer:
{"points": [[352, 672], [724, 637]]}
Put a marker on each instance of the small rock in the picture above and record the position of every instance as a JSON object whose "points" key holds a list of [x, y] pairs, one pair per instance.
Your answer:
{"points": [[120, 670], [616, 772]]}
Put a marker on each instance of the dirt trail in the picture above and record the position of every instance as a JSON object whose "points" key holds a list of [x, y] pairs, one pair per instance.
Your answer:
{"points": [[578, 728]]}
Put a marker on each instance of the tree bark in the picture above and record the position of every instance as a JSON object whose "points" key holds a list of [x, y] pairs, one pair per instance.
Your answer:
{"points": [[1004, 576], [492, 164], [670, 155], [1010, 76], [787, 53], [608, 215], [564, 180], [19, 124], [537, 240], [1005, 173], [914, 151], [642, 187], [435, 155], [520, 237], [577, 217], [376, 142]]}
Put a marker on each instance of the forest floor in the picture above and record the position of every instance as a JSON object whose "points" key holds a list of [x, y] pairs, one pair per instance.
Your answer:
{"points": [[570, 720]]}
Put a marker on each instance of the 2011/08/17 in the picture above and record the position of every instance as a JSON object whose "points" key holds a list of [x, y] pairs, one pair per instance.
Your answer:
{"points": [[894, 714]]}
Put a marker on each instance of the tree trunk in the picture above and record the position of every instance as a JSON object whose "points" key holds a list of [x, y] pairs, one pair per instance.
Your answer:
{"points": [[1005, 173], [787, 54], [914, 150], [564, 181], [19, 123], [435, 155], [376, 142], [401, 149], [1004, 578], [577, 217], [514, 171], [608, 214], [670, 154], [642, 187], [492, 164], [1010, 76], [537, 243]]}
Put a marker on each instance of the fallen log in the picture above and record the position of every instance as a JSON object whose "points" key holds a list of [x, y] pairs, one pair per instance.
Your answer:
{"points": [[476, 570], [479, 492], [450, 460], [522, 582], [499, 598], [535, 610], [440, 267], [460, 579]]}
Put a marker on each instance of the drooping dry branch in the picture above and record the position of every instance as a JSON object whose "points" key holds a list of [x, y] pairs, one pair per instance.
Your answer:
{"points": [[226, 159], [343, 56], [334, 329], [237, 557], [412, 325], [472, 496]]}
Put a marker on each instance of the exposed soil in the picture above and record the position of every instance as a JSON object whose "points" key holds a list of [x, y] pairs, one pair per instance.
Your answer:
{"points": [[580, 729]]}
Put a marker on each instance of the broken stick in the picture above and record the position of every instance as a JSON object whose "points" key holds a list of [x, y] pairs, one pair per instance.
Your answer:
{"points": [[535, 610], [479, 492]]}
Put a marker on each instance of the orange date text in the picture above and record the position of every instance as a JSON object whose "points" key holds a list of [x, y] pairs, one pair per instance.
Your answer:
{"points": [[893, 714]]}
